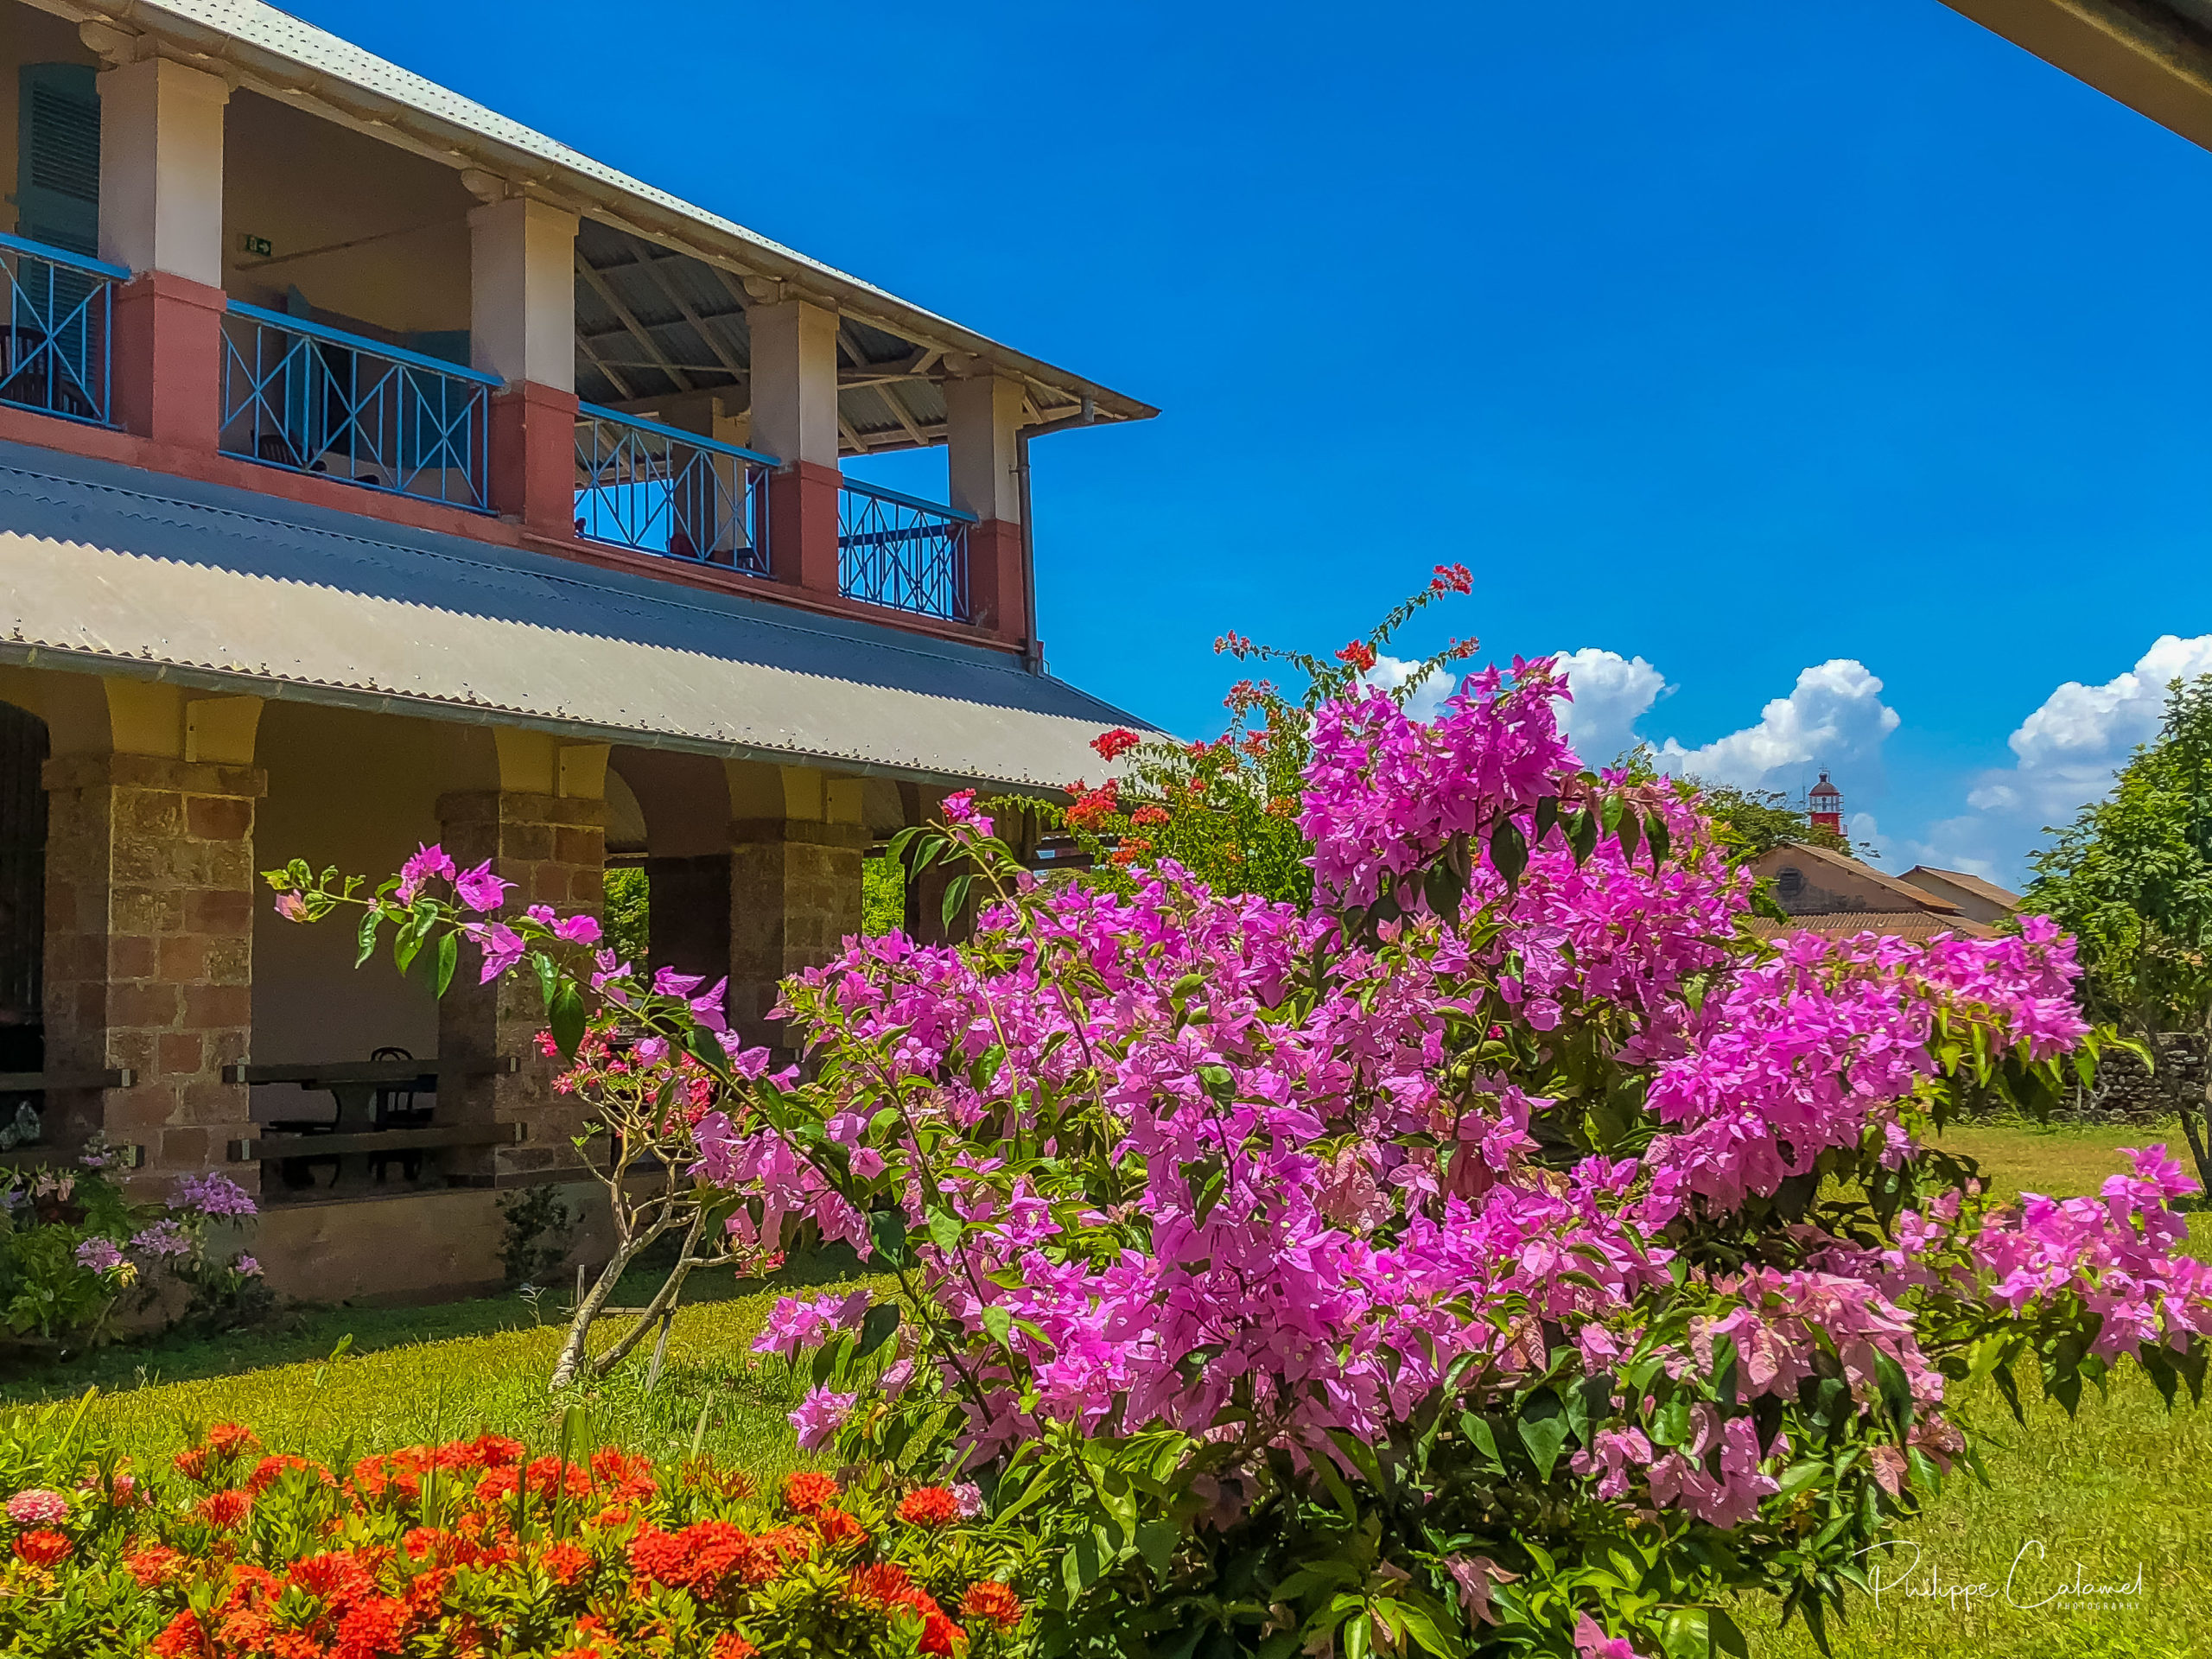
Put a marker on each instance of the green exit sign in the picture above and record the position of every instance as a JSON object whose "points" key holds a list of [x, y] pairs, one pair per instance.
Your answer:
{"points": [[259, 246]]}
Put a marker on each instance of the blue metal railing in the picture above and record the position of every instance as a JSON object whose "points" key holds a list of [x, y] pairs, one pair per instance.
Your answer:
{"points": [[316, 399], [902, 551], [54, 348], [661, 490]]}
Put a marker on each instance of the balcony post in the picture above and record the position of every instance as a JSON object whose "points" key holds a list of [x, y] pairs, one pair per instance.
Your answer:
{"points": [[161, 216], [795, 419], [523, 328], [982, 415]]}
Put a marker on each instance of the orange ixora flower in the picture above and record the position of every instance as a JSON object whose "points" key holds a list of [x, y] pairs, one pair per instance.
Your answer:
{"points": [[932, 1506], [808, 1490], [229, 1440], [993, 1602], [156, 1564], [44, 1548], [224, 1509]]}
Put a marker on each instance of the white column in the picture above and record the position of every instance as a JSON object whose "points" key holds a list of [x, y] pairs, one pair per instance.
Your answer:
{"points": [[162, 169], [983, 413], [522, 274], [795, 381]]}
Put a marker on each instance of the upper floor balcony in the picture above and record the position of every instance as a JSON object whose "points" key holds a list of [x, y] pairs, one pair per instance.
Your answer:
{"points": [[254, 254]]}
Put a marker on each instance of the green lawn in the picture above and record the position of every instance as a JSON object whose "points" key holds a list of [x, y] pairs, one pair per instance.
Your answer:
{"points": [[2123, 1486], [405, 1376]]}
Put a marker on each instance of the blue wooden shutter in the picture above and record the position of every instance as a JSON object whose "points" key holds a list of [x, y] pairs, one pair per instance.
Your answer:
{"points": [[58, 156]]}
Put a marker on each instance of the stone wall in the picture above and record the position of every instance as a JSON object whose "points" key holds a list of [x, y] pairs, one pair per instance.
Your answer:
{"points": [[150, 950], [553, 848], [2126, 1093]]}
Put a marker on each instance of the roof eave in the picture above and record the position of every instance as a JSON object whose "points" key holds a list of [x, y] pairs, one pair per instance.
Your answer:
{"points": [[2141, 52]]}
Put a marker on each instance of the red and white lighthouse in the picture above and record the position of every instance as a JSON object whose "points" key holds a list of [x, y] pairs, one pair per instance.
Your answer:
{"points": [[1824, 806]]}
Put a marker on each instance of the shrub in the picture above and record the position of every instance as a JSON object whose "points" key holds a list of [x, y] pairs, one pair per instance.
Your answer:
{"points": [[1504, 1250], [74, 1249], [477, 1546]]}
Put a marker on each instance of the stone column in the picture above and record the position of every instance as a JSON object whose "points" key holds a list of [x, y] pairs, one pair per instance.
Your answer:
{"points": [[982, 414], [550, 841], [149, 901], [794, 418], [796, 847], [523, 328], [161, 216]]}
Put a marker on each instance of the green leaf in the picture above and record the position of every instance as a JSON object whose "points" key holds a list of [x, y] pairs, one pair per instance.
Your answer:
{"points": [[1630, 833], [955, 895], [1610, 811], [887, 1233], [448, 958], [371, 919], [565, 1018], [945, 1229], [1542, 1428], [1508, 852], [1546, 816], [878, 1327], [1156, 1542], [1582, 835], [998, 1320], [1658, 837], [1688, 1634]]}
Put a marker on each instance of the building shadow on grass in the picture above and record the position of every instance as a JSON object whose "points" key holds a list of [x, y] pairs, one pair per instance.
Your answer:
{"points": [[302, 1334]]}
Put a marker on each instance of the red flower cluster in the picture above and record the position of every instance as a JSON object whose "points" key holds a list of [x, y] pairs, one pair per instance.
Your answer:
{"points": [[1147, 817], [1233, 644], [932, 1506], [992, 1601], [886, 1586], [1116, 743], [1092, 807], [44, 1548], [1359, 654], [475, 1548], [1451, 579]]}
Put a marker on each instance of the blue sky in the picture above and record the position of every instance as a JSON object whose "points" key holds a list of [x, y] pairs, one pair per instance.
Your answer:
{"points": [[1740, 338]]}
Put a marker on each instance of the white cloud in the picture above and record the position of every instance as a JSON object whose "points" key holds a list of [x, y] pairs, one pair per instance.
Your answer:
{"points": [[1612, 693], [1428, 700], [2064, 756], [1834, 716]]}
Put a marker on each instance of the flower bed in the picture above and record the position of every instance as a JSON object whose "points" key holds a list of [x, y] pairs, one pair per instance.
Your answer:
{"points": [[477, 1546]]}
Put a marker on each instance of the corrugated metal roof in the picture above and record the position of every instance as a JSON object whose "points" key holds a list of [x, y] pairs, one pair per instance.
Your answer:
{"points": [[295, 57], [113, 569], [1915, 925]]}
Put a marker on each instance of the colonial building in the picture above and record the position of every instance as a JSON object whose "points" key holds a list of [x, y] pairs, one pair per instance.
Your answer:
{"points": [[374, 470]]}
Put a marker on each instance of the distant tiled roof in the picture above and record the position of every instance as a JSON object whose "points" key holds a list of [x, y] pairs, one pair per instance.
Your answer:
{"points": [[1918, 898], [1972, 884], [1891, 924]]}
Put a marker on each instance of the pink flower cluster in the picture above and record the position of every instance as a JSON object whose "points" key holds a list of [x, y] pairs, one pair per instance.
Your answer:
{"points": [[2121, 1255]]}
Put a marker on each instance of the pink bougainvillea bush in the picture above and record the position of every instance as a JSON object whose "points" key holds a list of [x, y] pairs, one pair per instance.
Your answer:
{"points": [[1505, 1252]]}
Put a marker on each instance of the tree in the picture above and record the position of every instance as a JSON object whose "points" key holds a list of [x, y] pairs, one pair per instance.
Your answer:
{"points": [[1750, 823], [2130, 878]]}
